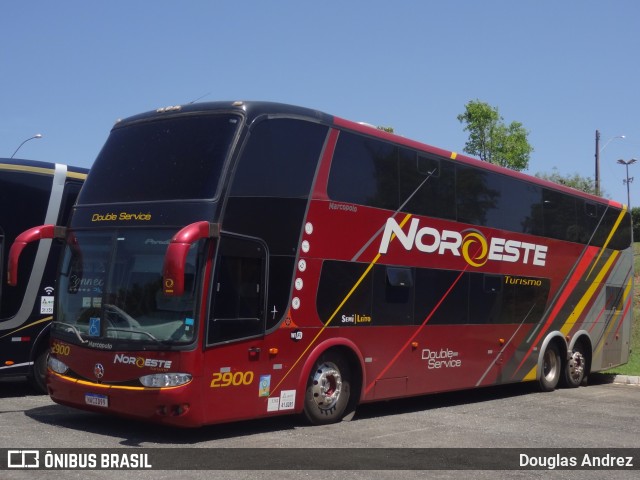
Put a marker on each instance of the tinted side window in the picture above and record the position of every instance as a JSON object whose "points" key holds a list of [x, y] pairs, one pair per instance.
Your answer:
{"points": [[279, 159], [514, 204], [336, 281], [523, 299], [621, 237], [476, 195], [364, 171], [71, 190], [449, 297], [383, 297], [441, 295], [427, 184], [393, 291], [561, 217]]}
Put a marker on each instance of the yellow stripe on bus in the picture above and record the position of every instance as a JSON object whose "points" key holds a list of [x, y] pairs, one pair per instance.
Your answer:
{"points": [[77, 175], [40, 170], [42, 320], [25, 168], [531, 375], [582, 304], [110, 387], [611, 233]]}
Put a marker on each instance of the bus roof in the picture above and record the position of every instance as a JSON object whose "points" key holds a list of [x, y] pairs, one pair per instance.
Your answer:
{"points": [[253, 110]]}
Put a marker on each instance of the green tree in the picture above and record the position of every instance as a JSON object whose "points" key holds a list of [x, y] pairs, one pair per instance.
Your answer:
{"points": [[584, 184], [493, 141], [635, 219]]}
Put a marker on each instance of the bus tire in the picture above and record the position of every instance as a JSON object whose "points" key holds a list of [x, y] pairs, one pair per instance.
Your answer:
{"points": [[575, 368], [328, 390], [551, 368], [37, 377]]}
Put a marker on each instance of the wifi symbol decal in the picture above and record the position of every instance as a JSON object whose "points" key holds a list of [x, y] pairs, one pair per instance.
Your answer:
{"points": [[48, 290]]}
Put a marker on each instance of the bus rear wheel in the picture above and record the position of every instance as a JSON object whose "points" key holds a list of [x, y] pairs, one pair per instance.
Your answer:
{"points": [[328, 390], [551, 368], [575, 369]]}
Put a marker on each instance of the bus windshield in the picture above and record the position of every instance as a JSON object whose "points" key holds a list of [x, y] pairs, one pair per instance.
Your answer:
{"points": [[177, 158], [111, 290]]}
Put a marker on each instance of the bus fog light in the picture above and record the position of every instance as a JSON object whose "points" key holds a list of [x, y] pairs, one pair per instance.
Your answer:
{"points": [[159, 380], [57, 366]]}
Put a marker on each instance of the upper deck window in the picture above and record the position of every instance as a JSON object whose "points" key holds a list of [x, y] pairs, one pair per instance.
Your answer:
{"points": [[177, 158]]}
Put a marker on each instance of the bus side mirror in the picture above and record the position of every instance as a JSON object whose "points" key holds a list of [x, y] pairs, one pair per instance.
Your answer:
{"points": [[36, 233], [176, 257]]}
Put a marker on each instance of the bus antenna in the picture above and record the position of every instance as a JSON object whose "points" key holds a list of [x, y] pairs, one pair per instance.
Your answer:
{"points": [[199, 98]]}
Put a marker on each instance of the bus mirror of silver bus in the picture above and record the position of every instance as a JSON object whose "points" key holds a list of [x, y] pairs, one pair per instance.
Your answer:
{"points": [[176, 257], [41, 232]]}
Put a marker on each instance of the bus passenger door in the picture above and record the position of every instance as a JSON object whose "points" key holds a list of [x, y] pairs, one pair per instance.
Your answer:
{"points": [[235, 358], [238, 295]]}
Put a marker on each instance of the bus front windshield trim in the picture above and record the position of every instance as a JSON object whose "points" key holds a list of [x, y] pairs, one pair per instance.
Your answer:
{"points": [[110, 289]]}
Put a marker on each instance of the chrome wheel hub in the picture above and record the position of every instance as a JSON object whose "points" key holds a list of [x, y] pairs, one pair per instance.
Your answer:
{"points": [[326, 386]]}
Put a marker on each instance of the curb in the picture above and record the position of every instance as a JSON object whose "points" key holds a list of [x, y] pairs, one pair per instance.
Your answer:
{"points": [[626, 379]]}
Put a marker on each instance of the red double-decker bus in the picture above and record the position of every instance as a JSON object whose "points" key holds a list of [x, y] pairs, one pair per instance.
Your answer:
{"points": [[228, 261]]}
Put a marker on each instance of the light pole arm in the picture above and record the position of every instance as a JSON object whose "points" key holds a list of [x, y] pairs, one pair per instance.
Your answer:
{"points": [[37, 135]]}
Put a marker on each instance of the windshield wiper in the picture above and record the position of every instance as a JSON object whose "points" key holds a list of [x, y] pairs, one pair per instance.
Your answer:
{"points": [[129, 330], [72, 328]]}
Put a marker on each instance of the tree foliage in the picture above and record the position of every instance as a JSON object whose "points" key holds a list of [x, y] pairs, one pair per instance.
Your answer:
{"points": [[635, 219], [577, 181], [493, 141]]}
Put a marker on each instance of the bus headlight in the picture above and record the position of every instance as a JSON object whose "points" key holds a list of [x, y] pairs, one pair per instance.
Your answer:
{"points": [[57, 366], [159, 380]]}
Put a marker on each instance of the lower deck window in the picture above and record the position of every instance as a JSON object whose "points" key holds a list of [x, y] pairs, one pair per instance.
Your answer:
{"points": [[412, 296]]}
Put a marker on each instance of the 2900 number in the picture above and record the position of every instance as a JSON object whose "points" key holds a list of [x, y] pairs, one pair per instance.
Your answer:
{"points": [[228, 379]]}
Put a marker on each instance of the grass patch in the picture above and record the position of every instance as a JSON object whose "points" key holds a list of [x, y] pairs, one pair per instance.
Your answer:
{"points": [[633, 365]]}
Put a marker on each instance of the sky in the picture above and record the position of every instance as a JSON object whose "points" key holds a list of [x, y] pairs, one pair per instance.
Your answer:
{"points": [[564, 69]]}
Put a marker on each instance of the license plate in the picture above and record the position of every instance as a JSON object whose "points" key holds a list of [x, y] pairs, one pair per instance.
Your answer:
{"points": [[96, 400]]}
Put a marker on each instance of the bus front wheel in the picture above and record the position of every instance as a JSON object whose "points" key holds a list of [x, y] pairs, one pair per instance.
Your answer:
{"points": [[328, 390], [37, 377], [551, 368]]}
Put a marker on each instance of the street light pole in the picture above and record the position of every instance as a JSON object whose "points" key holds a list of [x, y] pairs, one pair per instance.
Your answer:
{"points": [[37, 135], [628, 180], [598, 152], [597, 163]]}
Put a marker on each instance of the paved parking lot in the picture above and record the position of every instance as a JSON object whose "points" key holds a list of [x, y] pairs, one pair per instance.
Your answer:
{"points": [[602, 416]]}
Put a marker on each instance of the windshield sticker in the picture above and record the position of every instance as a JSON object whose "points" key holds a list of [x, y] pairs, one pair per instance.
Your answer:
{"points": [[46, 304], [94, 327]]}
